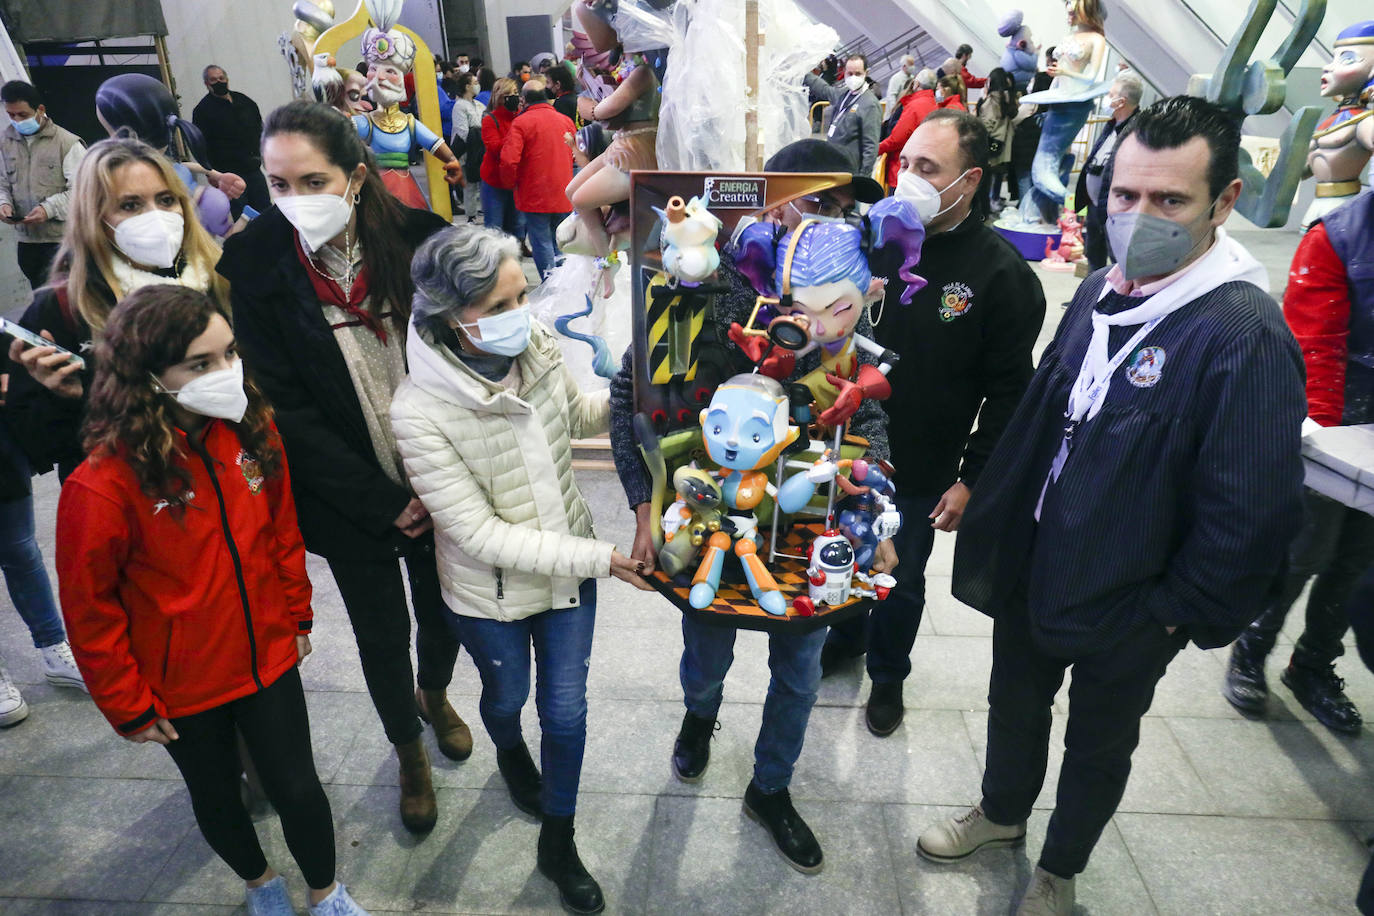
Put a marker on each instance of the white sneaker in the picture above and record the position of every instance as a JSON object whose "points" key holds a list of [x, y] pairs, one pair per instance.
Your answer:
{"points": [[59, 667], [338, 903], [1047, 895], [13, 709], [962, 836]]}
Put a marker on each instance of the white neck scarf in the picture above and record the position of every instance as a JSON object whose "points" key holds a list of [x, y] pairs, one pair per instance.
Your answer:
{"points": [[1225, 261]]}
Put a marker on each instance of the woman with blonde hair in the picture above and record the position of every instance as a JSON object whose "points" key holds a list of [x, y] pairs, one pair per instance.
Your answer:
{"points": [[132, 224], [498, 197]]}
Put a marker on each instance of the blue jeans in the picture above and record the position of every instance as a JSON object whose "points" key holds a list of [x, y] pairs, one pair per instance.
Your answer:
{"points": [[795, 662], [888, 631], [26, 577], [498, 211], [1062, 124], [541, 227], [562, 642]]}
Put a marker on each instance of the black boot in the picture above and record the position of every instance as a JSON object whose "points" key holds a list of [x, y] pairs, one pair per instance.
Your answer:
{"points": [[692, 749], [522, 778], [559, 862], [1245, 687], [884, 710], [794, 839], [1323, 695]]}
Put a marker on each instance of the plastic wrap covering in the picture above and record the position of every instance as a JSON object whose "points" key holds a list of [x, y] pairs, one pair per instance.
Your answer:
{"points": [[641, 27], [564, 292], [701, 121]]}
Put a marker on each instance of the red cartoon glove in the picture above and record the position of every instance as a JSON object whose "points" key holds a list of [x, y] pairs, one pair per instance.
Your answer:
{"points": [[777, 365], [870, 384]]}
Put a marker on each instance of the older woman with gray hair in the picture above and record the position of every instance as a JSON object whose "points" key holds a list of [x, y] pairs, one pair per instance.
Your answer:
{"points": [[484, 425]]}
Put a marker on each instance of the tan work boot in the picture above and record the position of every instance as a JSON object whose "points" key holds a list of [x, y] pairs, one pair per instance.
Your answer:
{"points": [[419, 808], [450, 731], [962, 836], [1047, 895]]}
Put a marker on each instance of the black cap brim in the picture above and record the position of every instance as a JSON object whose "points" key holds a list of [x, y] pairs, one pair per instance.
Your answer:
{"points": [[866, 190]]}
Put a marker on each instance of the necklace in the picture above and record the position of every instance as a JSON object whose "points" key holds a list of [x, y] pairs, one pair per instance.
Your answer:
{"points": [[345, 282]]}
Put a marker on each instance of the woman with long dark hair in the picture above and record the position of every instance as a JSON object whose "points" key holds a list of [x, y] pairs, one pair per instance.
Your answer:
{"points": [[183, 582], [321, 295], [997, 109]]}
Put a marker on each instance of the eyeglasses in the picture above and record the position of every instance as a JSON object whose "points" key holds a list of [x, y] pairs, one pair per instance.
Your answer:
{"points": [[825, 207]]}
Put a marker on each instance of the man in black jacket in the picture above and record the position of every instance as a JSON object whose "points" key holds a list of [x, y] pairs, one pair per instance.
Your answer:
{"points": [[965, 342], [232, 125], [1122, 101], [1143, 494]]}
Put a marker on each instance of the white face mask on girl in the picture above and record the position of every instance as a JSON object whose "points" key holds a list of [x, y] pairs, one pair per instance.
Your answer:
{"points": [[153, 238], [318, 217], [923, 196], [214, 394]]}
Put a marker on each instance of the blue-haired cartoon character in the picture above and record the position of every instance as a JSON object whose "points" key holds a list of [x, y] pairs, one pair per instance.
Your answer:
{"points": [[746, 428], [817, 276]]}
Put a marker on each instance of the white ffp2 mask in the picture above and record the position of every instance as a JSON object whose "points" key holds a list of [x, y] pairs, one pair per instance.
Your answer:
{"points": [[317, 217], [153, 237], [215, 394]]}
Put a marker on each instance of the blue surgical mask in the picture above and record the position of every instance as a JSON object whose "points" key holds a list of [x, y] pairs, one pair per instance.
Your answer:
{"points": [[505, 334], [28, 127]]}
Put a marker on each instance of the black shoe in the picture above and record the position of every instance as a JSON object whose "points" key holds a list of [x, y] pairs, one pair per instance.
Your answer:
{"points": [[692, 749], [884, 711], [1323, 695], [522, 778], [794, 839], [835, 657], [1245, 687], [559, 862]]}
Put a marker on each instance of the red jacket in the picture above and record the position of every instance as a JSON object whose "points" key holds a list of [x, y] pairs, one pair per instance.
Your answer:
{"points": [[495, 128], [169, 611], [915, 107], [1316, 305], [538, 161], [971, 81]]}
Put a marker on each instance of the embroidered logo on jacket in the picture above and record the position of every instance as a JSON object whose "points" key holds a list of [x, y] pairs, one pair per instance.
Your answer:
{"points": [[251, 471], [956, 299], [1146, 367]]}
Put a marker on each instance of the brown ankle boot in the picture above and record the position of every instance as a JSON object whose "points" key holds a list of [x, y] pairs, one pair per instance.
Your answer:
{"points": [[419, 809], [450, 731]]}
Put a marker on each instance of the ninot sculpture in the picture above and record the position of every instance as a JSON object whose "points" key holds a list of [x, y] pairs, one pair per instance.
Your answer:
{"points": [[1343, 142]]}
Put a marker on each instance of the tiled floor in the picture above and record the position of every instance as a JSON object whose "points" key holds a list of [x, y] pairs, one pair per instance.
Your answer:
{"points": [[1222, 815]]}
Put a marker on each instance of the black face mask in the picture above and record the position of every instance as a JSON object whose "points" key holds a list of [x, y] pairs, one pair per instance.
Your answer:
{"points": [[512, 103], [219, 88]]}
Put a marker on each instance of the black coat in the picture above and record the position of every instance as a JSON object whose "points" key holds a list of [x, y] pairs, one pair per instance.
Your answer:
{"points": [[346, 505], [46, 426]]}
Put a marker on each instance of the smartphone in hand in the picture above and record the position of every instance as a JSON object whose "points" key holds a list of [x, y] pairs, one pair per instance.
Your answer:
{"points": [[19, 332]]}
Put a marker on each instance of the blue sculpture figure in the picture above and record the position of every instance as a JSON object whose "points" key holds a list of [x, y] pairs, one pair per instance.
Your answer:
{"points": [[746, 428]]}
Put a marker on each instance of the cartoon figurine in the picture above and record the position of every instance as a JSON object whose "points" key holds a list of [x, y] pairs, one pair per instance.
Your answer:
{"points": [[1019, 56], [816, 280], [338, 87], [695, 515], [1342, 144], [689, 240], [391, 133], [746, 428], [1070, 246], [867, 514], [832, 574]]}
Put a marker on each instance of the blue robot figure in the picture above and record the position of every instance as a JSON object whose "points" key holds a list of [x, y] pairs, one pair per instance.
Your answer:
{"points": [[746, 428]]}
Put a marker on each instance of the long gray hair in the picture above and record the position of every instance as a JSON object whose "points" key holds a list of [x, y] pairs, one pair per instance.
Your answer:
{"points": [[454, 268]]}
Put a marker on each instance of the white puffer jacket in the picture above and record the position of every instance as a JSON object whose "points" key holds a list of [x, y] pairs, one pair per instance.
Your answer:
{"points": [[493, 466]]}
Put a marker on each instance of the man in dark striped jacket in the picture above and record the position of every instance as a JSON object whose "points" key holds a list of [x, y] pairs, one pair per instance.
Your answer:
{"points": [[1143, 495]]}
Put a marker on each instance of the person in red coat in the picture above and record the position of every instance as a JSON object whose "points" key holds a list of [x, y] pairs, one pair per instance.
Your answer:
{"points": [[537, 161], [183, 584], [915, 106], [498, 196]]}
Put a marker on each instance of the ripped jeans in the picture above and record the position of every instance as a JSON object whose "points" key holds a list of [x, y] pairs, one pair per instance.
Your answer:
{"points": [[562, 641]]}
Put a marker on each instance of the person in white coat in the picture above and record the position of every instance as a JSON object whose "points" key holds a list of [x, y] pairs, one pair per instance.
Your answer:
{"points": [[484, 425]]}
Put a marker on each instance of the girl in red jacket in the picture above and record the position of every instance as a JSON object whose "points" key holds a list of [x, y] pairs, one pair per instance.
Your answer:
{"points": [[182, 579]]}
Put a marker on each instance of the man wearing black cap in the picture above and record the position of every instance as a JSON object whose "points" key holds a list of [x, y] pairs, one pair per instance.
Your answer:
{"points": [[709, 651], [966, 342]]}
